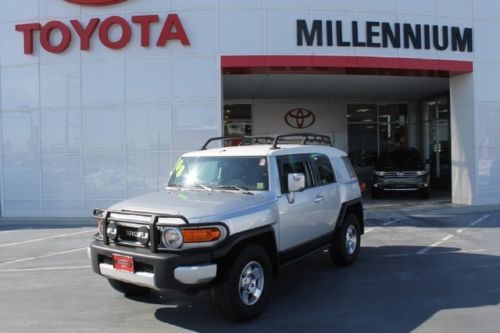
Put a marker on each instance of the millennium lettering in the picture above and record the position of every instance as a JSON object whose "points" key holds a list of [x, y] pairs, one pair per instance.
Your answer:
{"points": [[384, 35]]}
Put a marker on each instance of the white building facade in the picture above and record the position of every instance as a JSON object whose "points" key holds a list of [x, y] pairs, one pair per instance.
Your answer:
{"points": [[98, 99]]}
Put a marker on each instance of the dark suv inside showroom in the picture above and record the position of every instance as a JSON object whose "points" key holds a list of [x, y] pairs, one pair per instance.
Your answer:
{"points": [[400, 171]]}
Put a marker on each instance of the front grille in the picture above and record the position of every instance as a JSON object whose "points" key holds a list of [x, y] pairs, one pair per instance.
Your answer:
{"points": [[132, 234], [106, 260], [142, 267], [403, 174], [139, 266]]}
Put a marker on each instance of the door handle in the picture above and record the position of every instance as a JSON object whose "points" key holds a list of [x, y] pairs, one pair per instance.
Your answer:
{"points": [[319, 198]]}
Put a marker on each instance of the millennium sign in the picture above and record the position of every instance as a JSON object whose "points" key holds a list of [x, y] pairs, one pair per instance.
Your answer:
{"points": [[384, 35]]}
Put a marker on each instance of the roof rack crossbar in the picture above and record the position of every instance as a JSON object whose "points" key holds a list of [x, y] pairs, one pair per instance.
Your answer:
{"points": [[307, 138], [221, 138], [253, 140]]}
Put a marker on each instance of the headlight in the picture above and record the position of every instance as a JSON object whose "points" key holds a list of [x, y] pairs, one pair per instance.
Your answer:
{"points": [[171, 237], [379, 173], [100, 216], [421, 173], [100, 227]]}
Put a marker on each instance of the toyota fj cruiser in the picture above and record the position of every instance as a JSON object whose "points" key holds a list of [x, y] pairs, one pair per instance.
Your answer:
{"points": [[230, 217]]}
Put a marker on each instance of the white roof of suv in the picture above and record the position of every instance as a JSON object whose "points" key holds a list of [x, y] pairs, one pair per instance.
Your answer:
{"points": [[267, 150]]}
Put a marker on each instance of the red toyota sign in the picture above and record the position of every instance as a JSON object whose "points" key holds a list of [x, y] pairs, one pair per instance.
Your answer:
{"points": [[95, 2], [172, 30]]}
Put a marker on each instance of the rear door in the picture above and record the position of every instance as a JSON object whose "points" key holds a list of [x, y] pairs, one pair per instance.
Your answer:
{"points": [[327, 196]]}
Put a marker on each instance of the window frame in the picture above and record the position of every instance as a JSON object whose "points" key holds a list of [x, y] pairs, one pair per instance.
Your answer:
{"points": [[311, 167], [298, 158], [315, 166]]}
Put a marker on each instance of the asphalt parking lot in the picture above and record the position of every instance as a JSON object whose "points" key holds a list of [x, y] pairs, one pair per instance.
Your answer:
{"points": [[423, 270]]}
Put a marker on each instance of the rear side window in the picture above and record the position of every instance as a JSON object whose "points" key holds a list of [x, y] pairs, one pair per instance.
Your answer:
{"points": [[348, 166], [324, 169]]}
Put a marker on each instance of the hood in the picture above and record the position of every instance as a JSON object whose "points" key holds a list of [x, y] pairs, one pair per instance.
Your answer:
{"points": [[196, 206]]}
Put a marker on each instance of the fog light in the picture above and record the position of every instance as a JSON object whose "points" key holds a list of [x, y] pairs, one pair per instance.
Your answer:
{"points": [[112, 231], [375, 185], [143, 235], [172, 238]]}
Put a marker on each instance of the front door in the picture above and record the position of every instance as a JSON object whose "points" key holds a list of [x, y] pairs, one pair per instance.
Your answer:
{"points": [[305, 216]]}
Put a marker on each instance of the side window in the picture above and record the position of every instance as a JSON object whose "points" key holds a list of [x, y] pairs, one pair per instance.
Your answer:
{"points": [[324, 169], [294, 164], [348, 165]]}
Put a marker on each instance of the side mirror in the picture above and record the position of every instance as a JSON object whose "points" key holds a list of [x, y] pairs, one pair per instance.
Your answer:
{"points": [[296, 182]]}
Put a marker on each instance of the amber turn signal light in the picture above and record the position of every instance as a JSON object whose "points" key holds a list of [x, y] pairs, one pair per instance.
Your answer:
{"points": [[201, 235]]}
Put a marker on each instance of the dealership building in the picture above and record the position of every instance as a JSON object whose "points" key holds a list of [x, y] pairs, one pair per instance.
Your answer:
{"points": [[99, 98]]}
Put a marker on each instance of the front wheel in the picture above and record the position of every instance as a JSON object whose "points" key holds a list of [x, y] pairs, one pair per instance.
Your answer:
{"points": [[346, 242], [129, 289], [245, 286]]}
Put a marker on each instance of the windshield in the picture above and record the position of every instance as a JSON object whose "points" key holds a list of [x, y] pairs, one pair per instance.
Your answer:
{"points": [[247, 173], [400, 160]]}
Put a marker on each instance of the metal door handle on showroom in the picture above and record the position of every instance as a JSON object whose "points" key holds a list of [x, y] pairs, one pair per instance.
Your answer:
{"points": [[319, 199]]}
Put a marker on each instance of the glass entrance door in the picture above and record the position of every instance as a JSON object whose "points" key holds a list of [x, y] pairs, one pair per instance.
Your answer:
{"points": [[437, 141], [374, 128]]}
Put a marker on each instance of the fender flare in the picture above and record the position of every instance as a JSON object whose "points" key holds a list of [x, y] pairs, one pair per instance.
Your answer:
{"points": [[355, 206]]}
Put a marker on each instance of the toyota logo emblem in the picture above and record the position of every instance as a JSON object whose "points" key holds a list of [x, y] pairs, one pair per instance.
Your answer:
{"points": [[300, 118]]}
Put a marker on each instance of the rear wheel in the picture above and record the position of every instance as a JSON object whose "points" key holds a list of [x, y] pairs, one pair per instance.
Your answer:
{"points": [[128, 289], [245, 286], [346, 242]]}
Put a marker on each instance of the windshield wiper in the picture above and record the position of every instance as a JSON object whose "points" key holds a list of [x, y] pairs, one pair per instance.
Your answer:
{"points": [[204, 187], [181, 186], [232, 187]]}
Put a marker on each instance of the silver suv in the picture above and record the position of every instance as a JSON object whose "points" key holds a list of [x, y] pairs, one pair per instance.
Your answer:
{"points": [[230, 218]]}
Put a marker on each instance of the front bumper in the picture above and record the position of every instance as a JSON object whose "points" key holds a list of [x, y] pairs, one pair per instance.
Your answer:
{"points": [[155, 270], [401, 184]]}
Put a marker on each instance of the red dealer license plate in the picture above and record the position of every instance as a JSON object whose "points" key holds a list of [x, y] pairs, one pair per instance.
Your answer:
{"points": [[123, 263]]}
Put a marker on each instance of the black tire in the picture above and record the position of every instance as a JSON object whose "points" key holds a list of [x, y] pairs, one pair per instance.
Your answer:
{"points": [[425, 193], [340, 253], [129, 289], [375, 194], [226, 293]]}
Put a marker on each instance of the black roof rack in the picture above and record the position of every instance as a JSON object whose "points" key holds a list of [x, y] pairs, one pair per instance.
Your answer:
{"points": [[221, 138], [256, 140], [307, 138]]}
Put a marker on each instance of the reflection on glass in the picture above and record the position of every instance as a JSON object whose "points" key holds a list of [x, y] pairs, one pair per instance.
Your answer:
{"points": [[372, 129], [237, 119]]}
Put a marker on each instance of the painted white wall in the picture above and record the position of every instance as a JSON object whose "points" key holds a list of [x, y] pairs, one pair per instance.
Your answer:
{"points": [[484, 150], [269, 118], [85, 129]]}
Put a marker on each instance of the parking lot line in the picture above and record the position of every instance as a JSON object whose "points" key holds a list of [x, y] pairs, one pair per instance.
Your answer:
{"points": [[46, 238], [476, 222], [42, 256], [3, 232], [66, 268], [450, 236]]}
